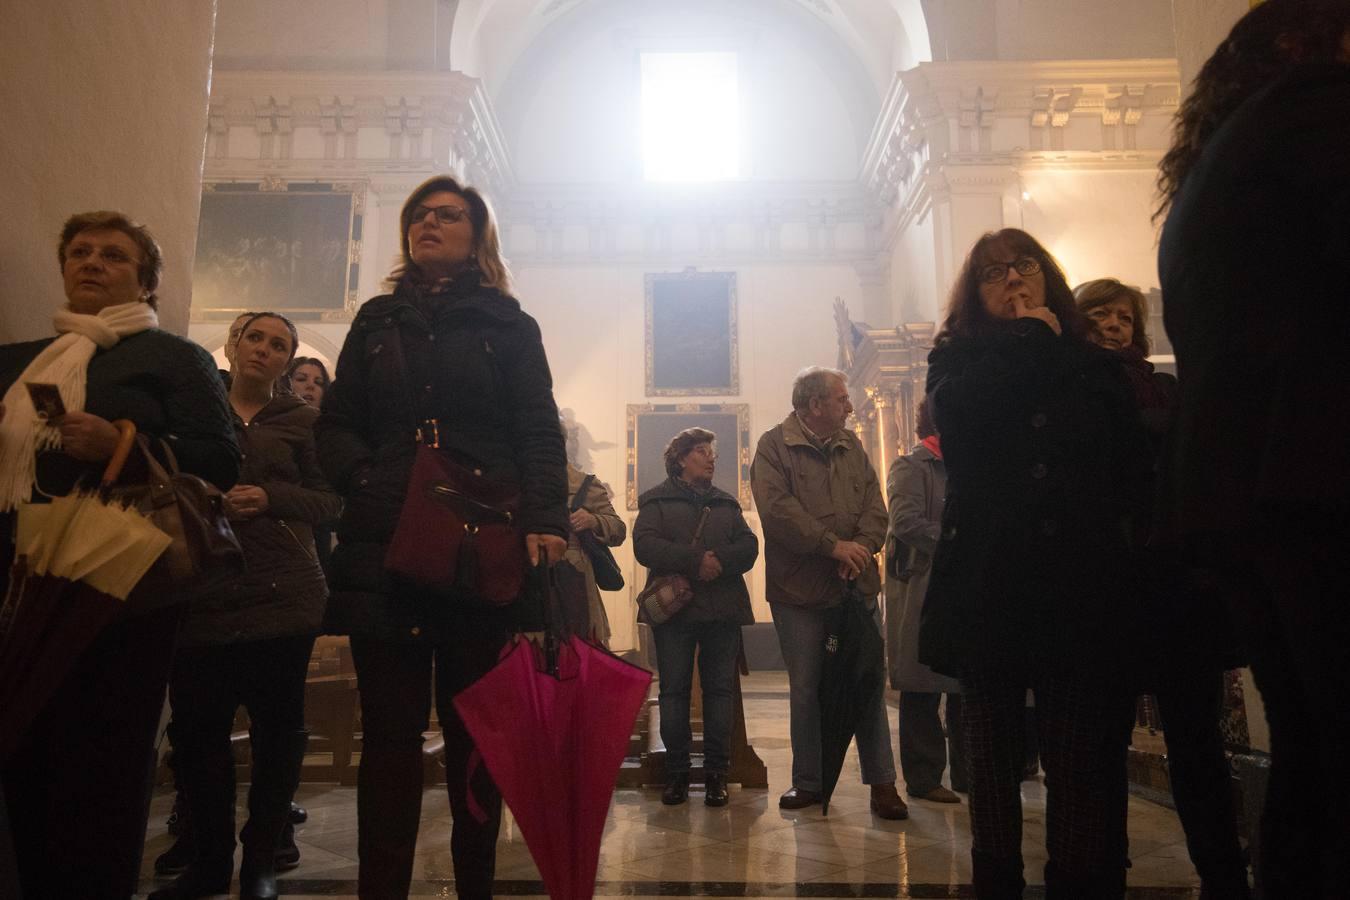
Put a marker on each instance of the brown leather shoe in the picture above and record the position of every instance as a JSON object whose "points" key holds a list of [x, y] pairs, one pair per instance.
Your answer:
{"points": [[938, 794], [798, 798], [887, 804]]}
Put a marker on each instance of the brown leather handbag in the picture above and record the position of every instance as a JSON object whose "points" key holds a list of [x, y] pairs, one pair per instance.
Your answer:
{"points": [[457, 530], [191, 511], [668, 594]]}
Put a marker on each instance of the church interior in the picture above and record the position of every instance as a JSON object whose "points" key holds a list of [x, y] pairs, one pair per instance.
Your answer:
{"points": [[697, 200]]}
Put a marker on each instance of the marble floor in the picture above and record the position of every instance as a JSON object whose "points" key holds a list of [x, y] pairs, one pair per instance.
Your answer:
{"points": [[749, 848]]}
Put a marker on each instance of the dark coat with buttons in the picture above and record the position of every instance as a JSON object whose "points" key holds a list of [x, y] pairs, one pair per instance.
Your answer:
{"points": [[668, 516], [470, 358], [1047, 464], [282, 589]]}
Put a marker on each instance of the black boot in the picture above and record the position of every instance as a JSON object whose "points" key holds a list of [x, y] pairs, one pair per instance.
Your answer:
{"points": [[715, 793], [208, 786], [178, 857], [288, 854], [276, 772], [299, 815], [677, 789]]}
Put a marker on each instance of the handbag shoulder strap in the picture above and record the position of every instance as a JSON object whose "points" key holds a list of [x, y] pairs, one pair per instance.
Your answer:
{"points": [[152, 463], [580, 498], [702, 520]]}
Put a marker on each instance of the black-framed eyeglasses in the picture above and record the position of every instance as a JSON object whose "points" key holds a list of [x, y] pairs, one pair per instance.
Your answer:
{"points": [[996, 272], [446, 215]]}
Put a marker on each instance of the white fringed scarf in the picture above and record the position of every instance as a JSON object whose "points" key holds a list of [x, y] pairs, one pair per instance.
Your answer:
{"points": [[65, 363]]}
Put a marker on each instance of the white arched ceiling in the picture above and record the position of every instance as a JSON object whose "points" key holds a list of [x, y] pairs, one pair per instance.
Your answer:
{"points": [[883, 35], [555, 70]]}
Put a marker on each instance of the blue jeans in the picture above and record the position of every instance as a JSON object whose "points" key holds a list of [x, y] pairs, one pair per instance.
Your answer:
{"points": [[717, 644], [801, 636]]}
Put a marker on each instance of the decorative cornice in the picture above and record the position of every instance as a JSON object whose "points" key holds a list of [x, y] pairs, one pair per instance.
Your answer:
{"points": [[429, 122]]}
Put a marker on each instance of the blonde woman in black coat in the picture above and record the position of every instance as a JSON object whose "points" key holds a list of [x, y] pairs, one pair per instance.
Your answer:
{"points": [[449, 343], [247, 642]]}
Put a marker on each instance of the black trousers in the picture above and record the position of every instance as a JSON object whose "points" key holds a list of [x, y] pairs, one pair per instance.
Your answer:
{"points": [[926, 749], [1298, 632], [1190, 702], [396, 683], [78, 787], [1078, 751], [207, 687]]}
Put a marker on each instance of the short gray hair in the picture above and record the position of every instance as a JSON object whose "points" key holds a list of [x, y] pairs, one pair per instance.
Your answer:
{"points": [[812, 382]]}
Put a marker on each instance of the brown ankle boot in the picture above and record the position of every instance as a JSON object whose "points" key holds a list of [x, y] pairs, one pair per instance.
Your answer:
{"points": [[886, 803]]}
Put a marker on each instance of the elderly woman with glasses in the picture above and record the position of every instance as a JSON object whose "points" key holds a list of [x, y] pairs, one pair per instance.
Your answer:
{"points": [[1045, 460], [76, 780], [448, 344], [687, 526]]}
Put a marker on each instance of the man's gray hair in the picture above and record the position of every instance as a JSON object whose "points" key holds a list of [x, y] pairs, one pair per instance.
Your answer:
{"points": [[812, 382]]}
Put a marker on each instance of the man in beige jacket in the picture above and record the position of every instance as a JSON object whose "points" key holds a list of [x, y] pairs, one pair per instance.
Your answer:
{"points": [[824, 519]]}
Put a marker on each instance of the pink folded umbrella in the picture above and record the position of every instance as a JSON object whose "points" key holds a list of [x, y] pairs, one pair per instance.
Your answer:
{"points": [[553, 728]]}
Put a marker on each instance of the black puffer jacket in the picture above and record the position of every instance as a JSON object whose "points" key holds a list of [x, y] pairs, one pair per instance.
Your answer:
{"points": [[1047, 463], [167, 385], [470, 358], [282, 590], [668, 514]]}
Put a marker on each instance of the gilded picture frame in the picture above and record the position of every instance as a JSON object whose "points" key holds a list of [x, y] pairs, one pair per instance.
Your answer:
{"points": [[289, 246], [691, 340], [652, 425]]}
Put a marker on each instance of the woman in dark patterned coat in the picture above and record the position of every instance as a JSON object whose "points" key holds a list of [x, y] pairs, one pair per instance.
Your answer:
{"points": [[1046, 460]]}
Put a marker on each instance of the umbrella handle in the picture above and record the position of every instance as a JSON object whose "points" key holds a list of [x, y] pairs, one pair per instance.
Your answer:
{"points": [[126, 437]]}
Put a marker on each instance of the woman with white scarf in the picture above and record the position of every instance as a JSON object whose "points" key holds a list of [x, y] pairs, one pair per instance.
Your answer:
{"points": [[77, 788]]}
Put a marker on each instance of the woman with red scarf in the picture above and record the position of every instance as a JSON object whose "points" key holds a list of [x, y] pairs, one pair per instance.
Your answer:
{"points": [[915, 487]]}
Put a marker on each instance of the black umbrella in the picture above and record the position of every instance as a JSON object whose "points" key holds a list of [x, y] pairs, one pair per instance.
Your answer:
{"points": [[855, 667]]}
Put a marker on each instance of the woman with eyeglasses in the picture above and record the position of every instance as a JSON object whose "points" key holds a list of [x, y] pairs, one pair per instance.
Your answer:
{"points": [[688, 526], [1046, 459], [450, 344]]}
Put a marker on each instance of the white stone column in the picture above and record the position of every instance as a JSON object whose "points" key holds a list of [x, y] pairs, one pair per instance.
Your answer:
{"points": [[104, 108]]}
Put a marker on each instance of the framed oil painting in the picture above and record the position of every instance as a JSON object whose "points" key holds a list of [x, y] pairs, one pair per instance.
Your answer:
{"points": [[691, 334], [288, 246], [651, 426]]}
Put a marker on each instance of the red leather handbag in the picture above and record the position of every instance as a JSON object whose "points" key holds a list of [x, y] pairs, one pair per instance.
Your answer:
{"points": [[457, 530]]}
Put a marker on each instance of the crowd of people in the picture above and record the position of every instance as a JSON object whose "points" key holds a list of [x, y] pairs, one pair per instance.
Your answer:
{"points": [[1072, 528]]}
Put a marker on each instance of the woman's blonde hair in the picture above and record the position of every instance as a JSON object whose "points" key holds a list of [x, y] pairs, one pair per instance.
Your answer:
{"points": [[487, 249], [1091, 294]]}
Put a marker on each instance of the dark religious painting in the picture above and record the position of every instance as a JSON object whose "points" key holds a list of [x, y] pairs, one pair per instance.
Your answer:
{"points": [[285, 246], [651, 427], [691, 334]]}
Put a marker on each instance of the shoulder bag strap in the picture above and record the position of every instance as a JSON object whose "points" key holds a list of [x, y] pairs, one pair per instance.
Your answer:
{"points": [[580, 498]]}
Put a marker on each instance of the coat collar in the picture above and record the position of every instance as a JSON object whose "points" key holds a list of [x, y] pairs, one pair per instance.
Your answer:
{"points": [[669, 490], [923, 454], [476, 299], [795, 436]]}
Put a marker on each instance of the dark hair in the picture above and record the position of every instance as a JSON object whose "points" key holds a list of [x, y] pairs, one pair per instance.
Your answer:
{"points": [[151, 266], [681, 444], [1267, 42], [290, 326], [924, 425], [324, 380], [487, 249], [966, 315], [1092, 294]]}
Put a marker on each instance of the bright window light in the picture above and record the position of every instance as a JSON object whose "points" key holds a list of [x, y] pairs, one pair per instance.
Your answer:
{"points": [[690, 117]]}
